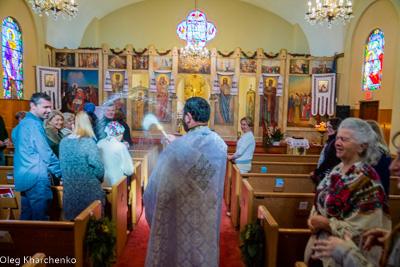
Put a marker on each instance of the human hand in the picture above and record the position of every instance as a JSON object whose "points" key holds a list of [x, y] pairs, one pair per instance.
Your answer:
{"points": [[2, 143], [7, 142], [318, 222], [126, 143], [169, 138], [325, 248], [230, 157], [375, 237]]}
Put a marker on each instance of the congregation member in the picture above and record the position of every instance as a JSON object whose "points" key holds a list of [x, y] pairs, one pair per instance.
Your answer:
{"points": [[183, 199], [245, 146], [33, 160], [114, 155], [351, 198], [52, 127], [90, 108], [69, 123], [82, 168], [328, 158], [382, 167], [20, 115], [348, 254], [108, 116], [120, 118], [4, 141]]}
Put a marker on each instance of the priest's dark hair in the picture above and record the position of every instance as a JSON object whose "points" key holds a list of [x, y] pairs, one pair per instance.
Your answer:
{"points": [[199, 109]]}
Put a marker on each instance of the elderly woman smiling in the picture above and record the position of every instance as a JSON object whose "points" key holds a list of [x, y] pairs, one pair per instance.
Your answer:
{"points": [[350, 199]]}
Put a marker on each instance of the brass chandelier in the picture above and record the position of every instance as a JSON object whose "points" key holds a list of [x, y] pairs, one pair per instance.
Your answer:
{"points": [[59, 8], [331, 11]]}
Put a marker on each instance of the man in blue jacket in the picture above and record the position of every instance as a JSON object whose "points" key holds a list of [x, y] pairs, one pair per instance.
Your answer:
{"points": [[33, 160]]}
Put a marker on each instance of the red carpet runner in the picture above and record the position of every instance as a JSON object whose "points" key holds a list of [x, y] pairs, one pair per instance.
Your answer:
{"points": [[134, 254]]}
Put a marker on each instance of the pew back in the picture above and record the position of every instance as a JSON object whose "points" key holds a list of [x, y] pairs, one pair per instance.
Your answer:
{"points": [[10, 208], [6, 174], [55, 239], [116, 199], [135, 194], [285, 158], [283, 167], [283, 246]]}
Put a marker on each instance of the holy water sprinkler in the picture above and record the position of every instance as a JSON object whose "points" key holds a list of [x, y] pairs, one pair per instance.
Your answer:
{"points": [[151, 119]]}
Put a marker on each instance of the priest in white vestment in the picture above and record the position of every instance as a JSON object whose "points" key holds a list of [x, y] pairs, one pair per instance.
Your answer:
{"points": [[183, 198]]}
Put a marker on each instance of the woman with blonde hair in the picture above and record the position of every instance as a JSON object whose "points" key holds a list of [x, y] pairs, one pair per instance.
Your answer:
{"points": [[82, 169], [53, 127], [382, 167], [69, 123], [245, 146]]}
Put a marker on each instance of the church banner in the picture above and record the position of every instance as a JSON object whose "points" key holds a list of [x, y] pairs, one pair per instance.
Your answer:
{"points": [[274, 80], [116, 81], [226, 80], [323, 94], [49, 81]]}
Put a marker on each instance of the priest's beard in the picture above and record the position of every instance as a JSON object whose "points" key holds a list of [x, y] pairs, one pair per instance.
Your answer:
{"points": [[185, 126]]}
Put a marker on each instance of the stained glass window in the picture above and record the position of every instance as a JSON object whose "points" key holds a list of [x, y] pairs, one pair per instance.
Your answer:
{"points": [[373, 61], [196, 30], [11, 54]]}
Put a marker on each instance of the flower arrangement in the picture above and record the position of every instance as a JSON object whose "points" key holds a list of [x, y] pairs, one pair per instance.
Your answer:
{"points": [[100, 238], [321, 127], [252, 237], [267, 140], [276, 134]]}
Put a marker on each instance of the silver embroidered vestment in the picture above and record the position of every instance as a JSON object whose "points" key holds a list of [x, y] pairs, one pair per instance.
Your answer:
{"points": [[183, 201]]}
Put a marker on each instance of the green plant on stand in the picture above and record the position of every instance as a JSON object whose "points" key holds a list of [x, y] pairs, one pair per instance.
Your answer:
{"points": [[100, 238], [252, 237]]}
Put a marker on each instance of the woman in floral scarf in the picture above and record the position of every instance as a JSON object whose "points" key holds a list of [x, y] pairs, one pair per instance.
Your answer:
{"points": [[350, 199]]}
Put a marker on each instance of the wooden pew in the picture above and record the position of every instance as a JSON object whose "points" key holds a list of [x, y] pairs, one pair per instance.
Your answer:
{"points": [[54, 239], [283, 167], [256, 191], [135, 194], [148, 159], [236, 188], [394, 205], [261, 157], [6, 174], [116, 209], [285, 158], [10, 208], [37, 260], [393, 189], [284, 246], [227, 184]]}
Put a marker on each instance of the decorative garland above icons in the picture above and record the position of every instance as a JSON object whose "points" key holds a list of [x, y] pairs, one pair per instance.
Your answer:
{"points": [[272, 56], [249, 57], [140, 53], [227, 55], [163, 53]]}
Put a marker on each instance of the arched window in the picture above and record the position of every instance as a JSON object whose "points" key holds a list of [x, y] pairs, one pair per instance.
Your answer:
{"points": [[11, 54], [373, 61]]}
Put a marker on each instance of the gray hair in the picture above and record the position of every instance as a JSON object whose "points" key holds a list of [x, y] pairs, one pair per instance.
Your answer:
{"points": [[363, 134]]}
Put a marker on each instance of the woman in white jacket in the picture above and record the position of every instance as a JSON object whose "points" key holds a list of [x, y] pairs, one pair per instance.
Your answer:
{"points": [[114, 154]]}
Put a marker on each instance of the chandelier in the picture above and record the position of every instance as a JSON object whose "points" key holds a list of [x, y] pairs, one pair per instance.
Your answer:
{"points": [[331, 11], [195, 53], [197, 31], [63, 8]]}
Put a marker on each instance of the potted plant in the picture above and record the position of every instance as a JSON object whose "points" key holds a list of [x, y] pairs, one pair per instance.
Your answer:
{"points": [[100, 238], [276, 135], [267, 140], [252, 238]]}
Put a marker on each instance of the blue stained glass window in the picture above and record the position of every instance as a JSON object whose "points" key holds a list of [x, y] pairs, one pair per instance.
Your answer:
{"points": [[11, 54], [373, 61]]}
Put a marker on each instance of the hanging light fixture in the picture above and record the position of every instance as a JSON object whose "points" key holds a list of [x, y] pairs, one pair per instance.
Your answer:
{"points": [[197, 31], [63, 8], [331, 11]]}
